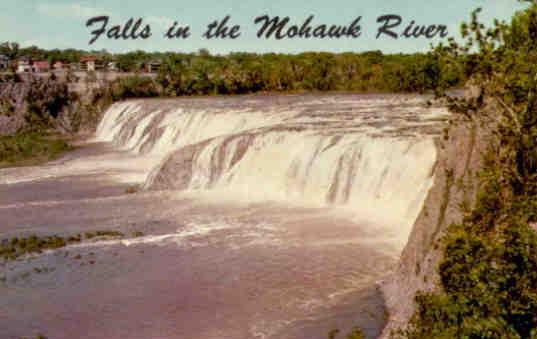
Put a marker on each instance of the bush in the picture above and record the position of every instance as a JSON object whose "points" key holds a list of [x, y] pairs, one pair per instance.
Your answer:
{"points": [[30, 148], [91, 235], [489, 287], [488, 273], [134, 87], [355, 333], [11, 249]]}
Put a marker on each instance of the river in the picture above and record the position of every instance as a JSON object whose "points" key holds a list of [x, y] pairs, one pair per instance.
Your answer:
{"points": [[263, 216]]}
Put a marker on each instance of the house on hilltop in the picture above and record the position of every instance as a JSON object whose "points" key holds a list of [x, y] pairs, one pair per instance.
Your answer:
{"points": [[24, 65], [4, 62], [58, 65], [74, 66], [112, 66], [152, 66], [41, 66], [91, 64]]}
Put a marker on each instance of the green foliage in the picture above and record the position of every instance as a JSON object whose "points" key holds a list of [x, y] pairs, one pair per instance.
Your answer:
{"points": [[7, 107], [242, 73], [29, 148], [355, 333], [14, 51], [239, 73], [137, 234], [11, 249], [45, 99], [134, 87], [489, 283], [488, 273], [91, 235]]}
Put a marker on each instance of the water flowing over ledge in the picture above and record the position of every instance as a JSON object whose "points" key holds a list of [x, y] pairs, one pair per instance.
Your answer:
{"points": [[374, 154], [279, 214]]}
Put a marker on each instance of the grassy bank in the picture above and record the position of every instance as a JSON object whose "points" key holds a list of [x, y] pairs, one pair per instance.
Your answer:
{"points": [[31, 148]]}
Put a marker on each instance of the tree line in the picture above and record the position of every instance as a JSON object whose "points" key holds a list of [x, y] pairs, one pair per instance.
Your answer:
{"points": [[239, 73], [243, 73]]}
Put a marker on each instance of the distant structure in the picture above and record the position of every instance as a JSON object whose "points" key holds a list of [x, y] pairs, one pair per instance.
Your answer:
{"points": [[153, 66], [4, 62], [91, 64], [41, 66], [58, 65], [24, 65], [112, 66], [74, 66]]}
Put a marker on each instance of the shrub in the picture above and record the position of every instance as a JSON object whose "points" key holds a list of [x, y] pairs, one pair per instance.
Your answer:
{"points": [[488, 273], [30, 148], [355, 333], [489, 287], [11, 249]]}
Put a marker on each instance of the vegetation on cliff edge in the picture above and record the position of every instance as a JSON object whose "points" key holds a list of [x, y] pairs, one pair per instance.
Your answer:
{"points": [[488, 274]]}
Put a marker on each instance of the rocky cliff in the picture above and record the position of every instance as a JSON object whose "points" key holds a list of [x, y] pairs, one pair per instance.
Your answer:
{"points": [[459, 160], [25, 98], [12, 106]]}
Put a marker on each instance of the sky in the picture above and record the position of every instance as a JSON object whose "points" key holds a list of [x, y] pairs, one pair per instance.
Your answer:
{"points": [[62, 23]]}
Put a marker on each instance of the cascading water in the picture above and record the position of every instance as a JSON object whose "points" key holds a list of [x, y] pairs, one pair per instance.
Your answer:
{"points": [[266, 216], [368, 154]]}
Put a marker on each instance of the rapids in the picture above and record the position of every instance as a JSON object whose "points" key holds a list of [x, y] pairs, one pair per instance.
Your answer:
{"points": [[263, 216], [369, 154]]}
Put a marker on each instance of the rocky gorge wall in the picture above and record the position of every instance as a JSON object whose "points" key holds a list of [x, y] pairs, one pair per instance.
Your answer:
{"points": [[455, 185], [69, 104], [12, 106], [363, 153], [370, 154]]}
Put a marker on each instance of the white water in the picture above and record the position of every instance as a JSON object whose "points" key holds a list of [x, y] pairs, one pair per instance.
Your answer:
{"points": [[275, 269], [374, 156]]}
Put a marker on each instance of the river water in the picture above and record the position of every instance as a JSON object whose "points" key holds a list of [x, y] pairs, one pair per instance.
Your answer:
{"points": [[262, 217]]}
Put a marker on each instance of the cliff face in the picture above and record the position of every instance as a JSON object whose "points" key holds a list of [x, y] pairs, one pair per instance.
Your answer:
{"points": [[51, 98], [455, 185], [22, 95], [12, 106]]}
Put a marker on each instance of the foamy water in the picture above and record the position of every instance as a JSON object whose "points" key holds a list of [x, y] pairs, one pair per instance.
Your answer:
{"points": [[373, 155], [263, 217]]}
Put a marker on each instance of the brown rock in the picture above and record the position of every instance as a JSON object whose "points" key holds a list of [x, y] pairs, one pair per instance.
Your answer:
{"points": [[459, 160]]}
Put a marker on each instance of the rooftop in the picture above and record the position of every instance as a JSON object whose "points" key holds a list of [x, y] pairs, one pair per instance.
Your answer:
{"points": [[88, 58], [41, 63]]}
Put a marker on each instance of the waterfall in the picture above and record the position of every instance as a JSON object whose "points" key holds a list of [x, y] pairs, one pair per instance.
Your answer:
{"points": [[374, 155]]}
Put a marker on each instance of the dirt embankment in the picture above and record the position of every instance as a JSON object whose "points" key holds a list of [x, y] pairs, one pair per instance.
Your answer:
{"points": [[459, 160]]}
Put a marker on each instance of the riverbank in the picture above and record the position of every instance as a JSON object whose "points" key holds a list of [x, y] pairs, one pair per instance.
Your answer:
{"points": [[296, 257], [32, 148]]}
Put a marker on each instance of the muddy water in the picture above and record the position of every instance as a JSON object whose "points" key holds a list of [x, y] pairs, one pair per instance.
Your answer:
{"points": [[208, 265]]}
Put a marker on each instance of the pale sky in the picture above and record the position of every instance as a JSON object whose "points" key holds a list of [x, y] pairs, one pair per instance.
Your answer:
{"points": [[61, 23]]}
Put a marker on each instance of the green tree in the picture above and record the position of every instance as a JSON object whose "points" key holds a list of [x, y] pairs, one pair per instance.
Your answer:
{"points": [[489, 269]]}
